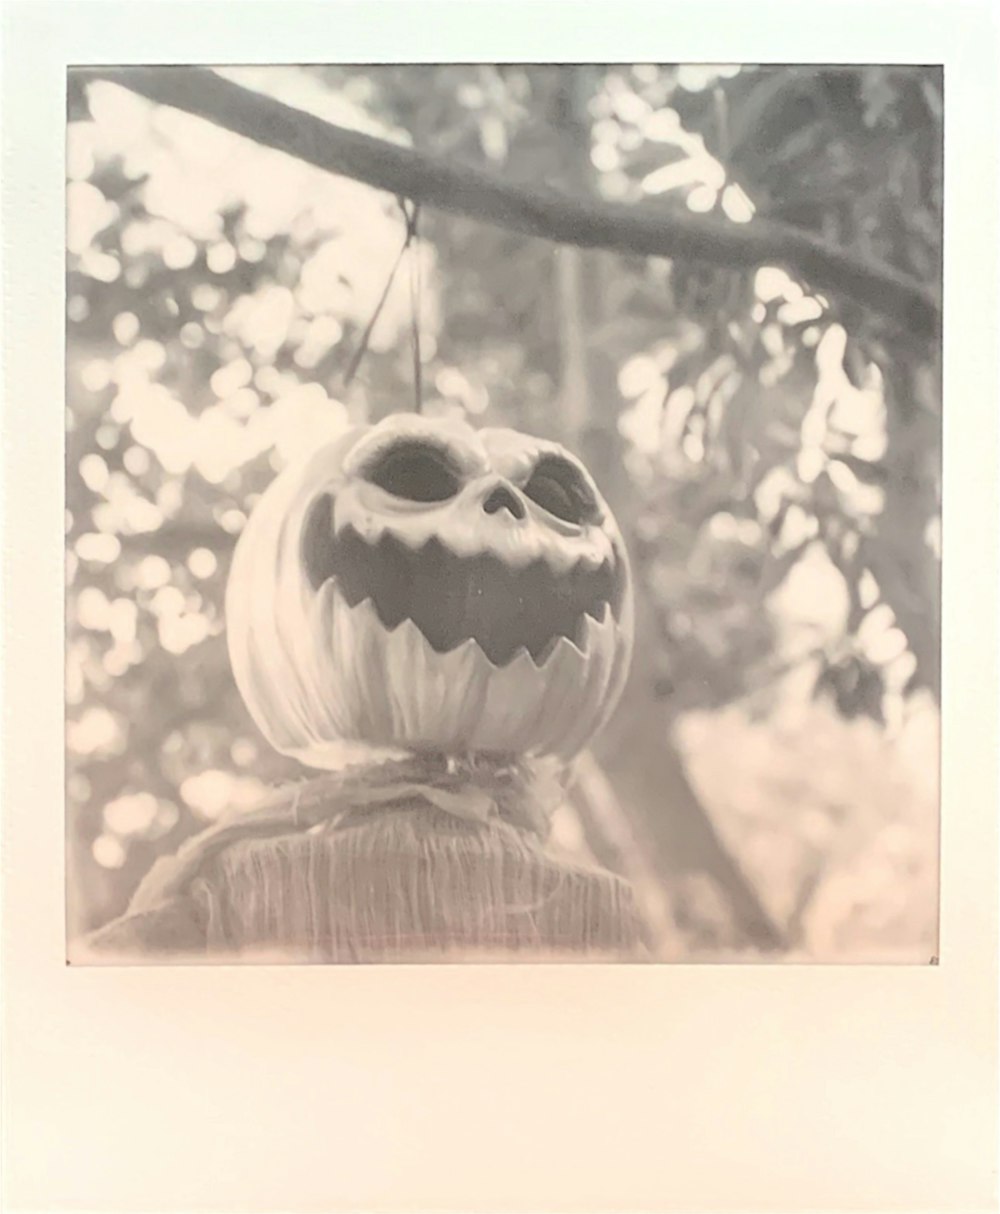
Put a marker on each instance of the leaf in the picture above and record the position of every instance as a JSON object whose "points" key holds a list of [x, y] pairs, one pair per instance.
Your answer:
{"points": [[747, 116], [867, 472]]}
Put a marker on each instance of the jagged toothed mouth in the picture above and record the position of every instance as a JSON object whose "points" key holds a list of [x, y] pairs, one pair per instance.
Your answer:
{"points": [[452, 599]]}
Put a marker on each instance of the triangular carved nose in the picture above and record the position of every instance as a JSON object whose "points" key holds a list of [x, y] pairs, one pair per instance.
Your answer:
{"points": [[503, 498]]}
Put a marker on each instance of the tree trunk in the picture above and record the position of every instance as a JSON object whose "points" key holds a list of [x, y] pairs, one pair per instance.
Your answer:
{"points": [[670, 832]]}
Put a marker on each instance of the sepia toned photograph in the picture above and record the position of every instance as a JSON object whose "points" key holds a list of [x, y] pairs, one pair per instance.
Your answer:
{"points": [[499, 605], [503, 513]]}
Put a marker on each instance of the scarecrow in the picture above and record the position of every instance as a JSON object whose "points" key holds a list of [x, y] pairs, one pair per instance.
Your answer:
{"points": [[438, 619]]}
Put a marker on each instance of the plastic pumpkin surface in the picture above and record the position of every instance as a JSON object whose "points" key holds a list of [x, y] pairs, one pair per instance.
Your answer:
{"points": [[420, 585]]}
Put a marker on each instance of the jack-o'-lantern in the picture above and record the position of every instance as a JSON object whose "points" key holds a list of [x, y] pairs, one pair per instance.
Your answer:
{"points": [[419, 585]]}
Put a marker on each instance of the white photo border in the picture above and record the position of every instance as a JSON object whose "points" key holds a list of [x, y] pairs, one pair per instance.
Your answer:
{"points": [[668, 1087]]}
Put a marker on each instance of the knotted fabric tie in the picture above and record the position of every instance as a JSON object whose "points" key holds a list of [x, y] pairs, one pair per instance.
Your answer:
{"points": [[475, 789]]}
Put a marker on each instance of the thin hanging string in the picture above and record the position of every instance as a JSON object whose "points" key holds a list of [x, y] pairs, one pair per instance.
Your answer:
{"points": [[416, 296], [411, 214]]}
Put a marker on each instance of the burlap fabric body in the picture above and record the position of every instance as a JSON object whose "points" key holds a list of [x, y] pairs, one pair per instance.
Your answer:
{"points": [[417, 860]]}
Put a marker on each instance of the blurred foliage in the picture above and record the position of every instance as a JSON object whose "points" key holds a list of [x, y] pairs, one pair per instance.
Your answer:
{"points": [[773, 453]]}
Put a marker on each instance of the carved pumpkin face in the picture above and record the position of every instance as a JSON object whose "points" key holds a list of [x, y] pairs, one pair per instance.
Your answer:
{"points": [[422, 585]]}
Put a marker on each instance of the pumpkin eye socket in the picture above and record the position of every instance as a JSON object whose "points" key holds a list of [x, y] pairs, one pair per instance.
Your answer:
{"points": [[418, 472], [558, 487]]}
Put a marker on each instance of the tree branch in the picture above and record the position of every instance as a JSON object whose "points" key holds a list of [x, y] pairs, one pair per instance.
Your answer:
{"points": [[175, 541], [646, 229]]}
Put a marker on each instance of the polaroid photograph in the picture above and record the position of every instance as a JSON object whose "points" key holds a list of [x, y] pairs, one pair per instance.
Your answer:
{"points": [[500, 548], [460, 459]]}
